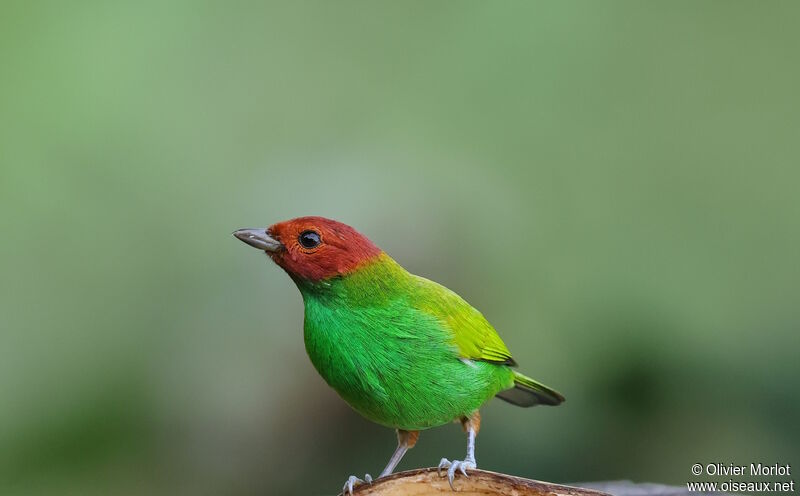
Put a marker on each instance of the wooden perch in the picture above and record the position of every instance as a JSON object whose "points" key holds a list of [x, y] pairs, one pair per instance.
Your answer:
{"points": [[426, 481]]}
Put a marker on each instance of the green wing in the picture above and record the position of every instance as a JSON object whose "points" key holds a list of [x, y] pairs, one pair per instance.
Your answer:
{"points": [[474, 336]]}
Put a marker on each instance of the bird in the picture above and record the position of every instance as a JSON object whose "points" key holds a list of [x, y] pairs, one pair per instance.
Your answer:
{"points": [[401, 350]]}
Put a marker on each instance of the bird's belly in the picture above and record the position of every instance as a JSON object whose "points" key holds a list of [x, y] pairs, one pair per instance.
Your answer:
{"points": [[401, 382]]}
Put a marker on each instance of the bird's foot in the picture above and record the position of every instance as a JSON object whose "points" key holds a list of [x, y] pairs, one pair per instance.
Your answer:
{"points": [[354, 481], [455, 465]]}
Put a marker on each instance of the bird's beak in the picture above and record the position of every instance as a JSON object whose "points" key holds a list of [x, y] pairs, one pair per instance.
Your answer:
{"points": [[258, 238]]}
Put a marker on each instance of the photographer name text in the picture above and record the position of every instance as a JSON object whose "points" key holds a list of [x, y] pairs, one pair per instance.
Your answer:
{"points": [[754, 469]]}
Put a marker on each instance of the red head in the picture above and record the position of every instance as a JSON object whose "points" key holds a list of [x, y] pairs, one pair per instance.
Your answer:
{"points": [[312, 248]]}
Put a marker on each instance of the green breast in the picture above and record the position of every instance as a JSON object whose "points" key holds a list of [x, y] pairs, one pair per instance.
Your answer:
{"points": [[394, 364]]}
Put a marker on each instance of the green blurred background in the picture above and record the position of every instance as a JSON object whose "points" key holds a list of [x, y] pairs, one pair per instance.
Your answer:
{"points": [[613, 184]]}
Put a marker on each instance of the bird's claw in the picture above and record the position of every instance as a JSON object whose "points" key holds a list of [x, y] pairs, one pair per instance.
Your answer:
{"points": [[444, 463], [461, 466], [354, 481]]}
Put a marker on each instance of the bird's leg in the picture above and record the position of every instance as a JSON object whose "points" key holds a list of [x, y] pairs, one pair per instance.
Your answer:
{"points": [[471, 425], [405, 441]]}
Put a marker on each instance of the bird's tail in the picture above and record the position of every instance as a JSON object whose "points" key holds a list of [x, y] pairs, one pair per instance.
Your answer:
{"points": [[528, 392]]}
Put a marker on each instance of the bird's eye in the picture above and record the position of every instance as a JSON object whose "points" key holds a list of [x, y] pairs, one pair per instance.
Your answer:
{"points": [[309, 239]]}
